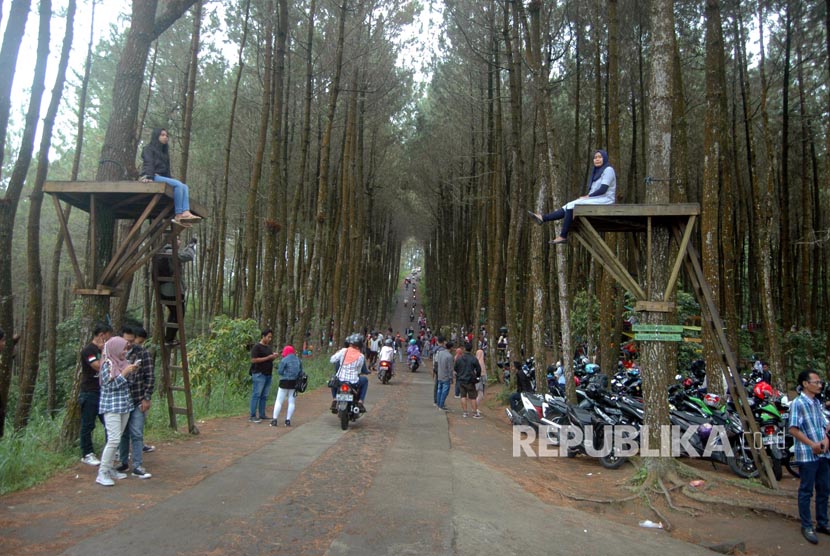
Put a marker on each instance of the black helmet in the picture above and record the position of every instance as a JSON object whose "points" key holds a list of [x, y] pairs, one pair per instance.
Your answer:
{"points": [[503, 330]]}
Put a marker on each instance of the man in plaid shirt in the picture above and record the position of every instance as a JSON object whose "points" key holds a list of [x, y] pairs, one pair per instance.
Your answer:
{"points": [[809, 427], [142, 384]]}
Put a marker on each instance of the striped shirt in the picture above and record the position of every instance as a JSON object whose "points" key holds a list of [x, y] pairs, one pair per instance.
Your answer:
{"points": [[807, 416], [115, 392]]}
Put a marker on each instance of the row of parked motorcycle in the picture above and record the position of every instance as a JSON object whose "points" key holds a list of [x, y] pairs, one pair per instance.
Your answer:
{"points": [[608, 402]]}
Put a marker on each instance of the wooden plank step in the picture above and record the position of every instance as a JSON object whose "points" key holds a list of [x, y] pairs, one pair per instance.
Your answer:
{"points": [[179, 410], [177, 389]]}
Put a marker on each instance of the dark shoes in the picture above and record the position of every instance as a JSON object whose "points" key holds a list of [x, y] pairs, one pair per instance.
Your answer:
{"points": [[123, 467], [288, 422], [362, 408], [810, 535], [535, 217], [273, 422], [333, 407], [823, 529]]}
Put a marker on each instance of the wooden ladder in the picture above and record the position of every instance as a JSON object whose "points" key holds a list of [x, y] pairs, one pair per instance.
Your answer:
{"points": [[173, 355]]}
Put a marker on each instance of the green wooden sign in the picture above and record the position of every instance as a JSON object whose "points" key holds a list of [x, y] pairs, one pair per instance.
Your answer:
{"points": [[664, 328], [654, 337]]}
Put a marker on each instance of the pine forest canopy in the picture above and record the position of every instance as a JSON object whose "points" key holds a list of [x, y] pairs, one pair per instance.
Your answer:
{"points": [[326, 136]]}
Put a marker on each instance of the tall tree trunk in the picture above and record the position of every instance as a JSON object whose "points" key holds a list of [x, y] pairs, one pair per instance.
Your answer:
{"points": [[785, 247], [320, 227], [516, 177], [54, 270], [764, 219], [223, 199], [252, 219], [656, 367], [31, 358], [8, 206], [717, 218], [272, 226]]}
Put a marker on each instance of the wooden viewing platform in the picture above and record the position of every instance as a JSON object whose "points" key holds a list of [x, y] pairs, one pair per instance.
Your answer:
{"points": [[122, 200], [679, 218]]}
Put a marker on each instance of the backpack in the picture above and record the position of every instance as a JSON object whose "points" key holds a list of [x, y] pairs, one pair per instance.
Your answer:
{"points": [[302, 383]]}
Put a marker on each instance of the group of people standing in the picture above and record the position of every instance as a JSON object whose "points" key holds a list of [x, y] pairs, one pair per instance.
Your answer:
{"points": [[117, 385], [464, 369]]}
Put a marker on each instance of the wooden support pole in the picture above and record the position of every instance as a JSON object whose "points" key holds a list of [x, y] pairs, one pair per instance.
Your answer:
{"points": [[608, 258], [681, 253], [126, 244], [79, 276]]}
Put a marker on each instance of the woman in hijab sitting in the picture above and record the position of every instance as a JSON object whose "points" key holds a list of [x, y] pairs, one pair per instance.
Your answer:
{"points": [[601, 191]]}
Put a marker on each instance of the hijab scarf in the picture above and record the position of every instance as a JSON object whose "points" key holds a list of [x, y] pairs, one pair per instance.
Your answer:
{"points": [[597, 172], [115, 353]]}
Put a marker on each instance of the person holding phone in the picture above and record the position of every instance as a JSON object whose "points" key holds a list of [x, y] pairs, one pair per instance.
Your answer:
{"points": [[115, 403], [141, 384]]}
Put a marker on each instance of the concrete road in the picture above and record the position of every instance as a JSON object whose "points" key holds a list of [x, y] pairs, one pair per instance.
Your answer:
{"points": [[392, 484]]}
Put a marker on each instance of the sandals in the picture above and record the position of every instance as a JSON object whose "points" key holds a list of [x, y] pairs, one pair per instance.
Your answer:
{"points": [[535, 217]]}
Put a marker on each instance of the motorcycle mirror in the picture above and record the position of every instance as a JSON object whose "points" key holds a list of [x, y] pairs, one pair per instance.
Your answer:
{"points": [[677, 377]]}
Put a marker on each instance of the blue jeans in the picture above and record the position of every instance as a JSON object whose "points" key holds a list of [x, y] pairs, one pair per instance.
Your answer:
{"points": [[181, 194], [262, 383], [88, 402], [362, 388], [134, 434], [814, 475], [443, 392]]}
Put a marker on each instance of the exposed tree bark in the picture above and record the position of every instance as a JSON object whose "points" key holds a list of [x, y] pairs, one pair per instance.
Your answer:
{"points": [[717, 211], [8, 204], [252, 219], [763, 196], [275, 179], [656, 367]]}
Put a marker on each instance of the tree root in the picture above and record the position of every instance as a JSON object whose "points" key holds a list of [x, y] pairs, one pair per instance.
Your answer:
{"points": [[595, 500], [663, 519], [736, 503], [667, 495]]}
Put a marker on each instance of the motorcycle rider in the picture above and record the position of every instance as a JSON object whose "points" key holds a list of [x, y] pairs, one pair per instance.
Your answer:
{"points": [[351, 368], [414, 351], [387, 353]]}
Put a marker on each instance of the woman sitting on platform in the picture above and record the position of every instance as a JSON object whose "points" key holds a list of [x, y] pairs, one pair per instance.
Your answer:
{"points": [[602, 191], [156, 167]]}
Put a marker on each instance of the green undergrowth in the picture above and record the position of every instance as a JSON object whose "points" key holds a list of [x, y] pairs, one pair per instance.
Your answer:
{"points": [[32, 456]]}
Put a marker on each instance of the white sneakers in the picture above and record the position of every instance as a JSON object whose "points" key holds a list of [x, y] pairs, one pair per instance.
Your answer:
{"points": [[90, 459], [105, 478]]}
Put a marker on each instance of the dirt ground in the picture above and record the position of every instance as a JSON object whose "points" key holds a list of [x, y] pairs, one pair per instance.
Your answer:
{"points": [[54, 516]]}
